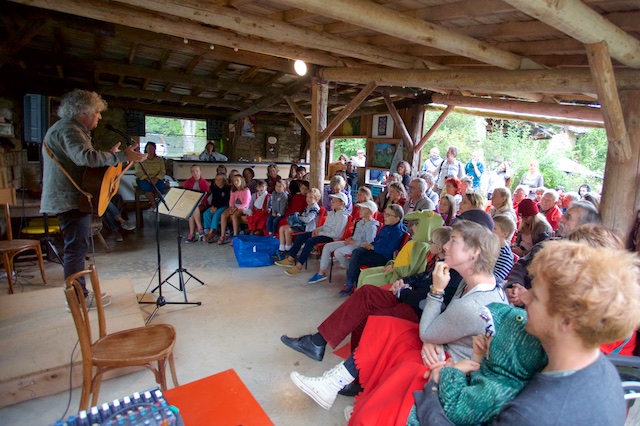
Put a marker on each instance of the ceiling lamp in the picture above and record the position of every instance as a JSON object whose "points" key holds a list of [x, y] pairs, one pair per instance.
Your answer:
{"points": [[300, 67]]}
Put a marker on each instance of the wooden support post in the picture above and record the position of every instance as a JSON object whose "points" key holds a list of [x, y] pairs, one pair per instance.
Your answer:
{"points": [[347, 110], [605, 81], [433, 128], [404, 133], [416, 127], [620, 192], [318, 147]]}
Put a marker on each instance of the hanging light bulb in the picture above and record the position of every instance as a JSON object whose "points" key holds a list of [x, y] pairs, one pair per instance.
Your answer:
{"points": [[300, 67], [186, 40], [212, 46], [235, 49]]}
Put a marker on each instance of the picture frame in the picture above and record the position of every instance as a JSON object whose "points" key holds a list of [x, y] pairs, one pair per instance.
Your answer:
{"points": [[383, 153], [382, 126]]}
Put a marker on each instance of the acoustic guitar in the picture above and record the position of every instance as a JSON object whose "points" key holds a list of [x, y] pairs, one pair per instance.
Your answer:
{"points": [[100, 184]]}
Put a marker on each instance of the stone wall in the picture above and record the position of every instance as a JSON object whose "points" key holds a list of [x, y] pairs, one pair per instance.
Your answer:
{"points": [[289, 139]]}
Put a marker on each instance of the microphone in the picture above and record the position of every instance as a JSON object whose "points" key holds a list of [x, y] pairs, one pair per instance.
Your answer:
{"points": [[127, 139]]}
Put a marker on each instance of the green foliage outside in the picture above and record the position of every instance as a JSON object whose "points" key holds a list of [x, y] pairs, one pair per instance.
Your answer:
{"points": [[514, 144], [181, 136], [348, 147]]}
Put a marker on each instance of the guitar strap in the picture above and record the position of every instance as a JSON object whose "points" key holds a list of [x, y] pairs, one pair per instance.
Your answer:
{"points": [[64, 171]]}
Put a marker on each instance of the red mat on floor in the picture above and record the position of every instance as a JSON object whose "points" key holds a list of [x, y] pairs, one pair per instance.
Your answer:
{"points": [[343, 351], [221, 399]]}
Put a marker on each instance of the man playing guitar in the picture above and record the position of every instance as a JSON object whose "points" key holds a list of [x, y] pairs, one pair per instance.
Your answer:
{"points": [[67, 152]]}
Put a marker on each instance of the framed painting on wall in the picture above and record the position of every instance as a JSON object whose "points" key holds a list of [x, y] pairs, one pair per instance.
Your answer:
{"points": [[383, 153], [382, 126]]}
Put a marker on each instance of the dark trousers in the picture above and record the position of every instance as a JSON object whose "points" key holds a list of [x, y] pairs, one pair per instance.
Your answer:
{"points": [[272, 223], [351, 316], [309, 243], [362, 257], [76, 231]]}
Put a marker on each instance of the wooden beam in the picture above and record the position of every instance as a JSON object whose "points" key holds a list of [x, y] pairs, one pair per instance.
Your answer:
{"points": [[245, 23], [433, 129], [21, 38], [404, 133], [132, 52], [270, 100], [542, 81], [154, 96], [602, 72], [527, 118], [579, 21], [388, 21], [620, 196], [136, 18], [346, 112], [318, 147], [299, 115], [521, 107], [417, 124]]}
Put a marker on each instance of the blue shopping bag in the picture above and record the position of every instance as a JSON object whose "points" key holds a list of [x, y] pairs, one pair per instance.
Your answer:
{"points": [[252, 250]]}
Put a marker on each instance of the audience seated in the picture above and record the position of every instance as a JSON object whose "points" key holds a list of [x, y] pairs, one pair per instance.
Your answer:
{"points": [[300, 222], [380, 251], [258, 210], [336, 185], [404, 170], [573, 307], [383, 197], [471, 200], [238, 201], [501, 204], [365, 231], [396, 194], [363, 194], [272, 177], [331, 230], [453, 187], [394, 355], [249, 177], [549, 208], [278, 209], [150, 173], [533, 227], [219, 201], [412, 258], [447, 209], [197, 183], [417, 199]]}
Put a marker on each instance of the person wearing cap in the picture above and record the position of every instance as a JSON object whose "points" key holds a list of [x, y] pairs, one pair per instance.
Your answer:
{"points": [[361, 159], [331, 230], [364, 232], [533, 227]]}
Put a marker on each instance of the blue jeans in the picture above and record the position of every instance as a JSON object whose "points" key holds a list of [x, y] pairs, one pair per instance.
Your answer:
{"points": [[362, 257], [272, 223], [212, 220], [111, 216], [309, 243], [146, 186], [76, 231]]}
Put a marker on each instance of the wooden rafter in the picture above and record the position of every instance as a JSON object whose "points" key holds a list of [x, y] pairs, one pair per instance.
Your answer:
{"points": [[404, 133], [346, 112], [433, 129], [271, 100], [299, 115], [20, 38]]}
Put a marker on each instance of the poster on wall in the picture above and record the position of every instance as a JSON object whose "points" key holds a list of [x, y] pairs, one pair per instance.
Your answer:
{"points": [[249, 127], [383, 154], [382, 126]]}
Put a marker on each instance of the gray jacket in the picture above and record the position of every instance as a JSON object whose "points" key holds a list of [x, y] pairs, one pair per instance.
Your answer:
{"points": [[279, 201], [365, 232], [70, 143], [422, 204]]}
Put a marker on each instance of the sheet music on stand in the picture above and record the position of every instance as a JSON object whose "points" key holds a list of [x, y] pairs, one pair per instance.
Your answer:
{"points": [[181, 202]]}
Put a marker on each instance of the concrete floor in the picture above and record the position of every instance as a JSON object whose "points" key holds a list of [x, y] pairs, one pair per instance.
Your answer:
{"points": [[243, 314]]}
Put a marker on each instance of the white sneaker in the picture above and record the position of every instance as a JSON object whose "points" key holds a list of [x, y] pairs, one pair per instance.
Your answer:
{"points": [[127, 226], [89, 300], [323, 390]]}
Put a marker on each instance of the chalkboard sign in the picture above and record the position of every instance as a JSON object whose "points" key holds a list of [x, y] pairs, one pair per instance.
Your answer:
{"points": [[216, 128], [135, 122]]}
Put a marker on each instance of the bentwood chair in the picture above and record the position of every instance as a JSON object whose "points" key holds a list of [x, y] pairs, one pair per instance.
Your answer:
{"points": [[141, 346], [10, 248]]}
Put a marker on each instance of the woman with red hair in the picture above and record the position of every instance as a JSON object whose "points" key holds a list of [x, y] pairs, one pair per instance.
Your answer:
{"points": [[453, 187]]}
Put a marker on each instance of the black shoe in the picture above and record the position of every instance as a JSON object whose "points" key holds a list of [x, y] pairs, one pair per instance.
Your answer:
{"points": [[352, 389], [304, 345]]}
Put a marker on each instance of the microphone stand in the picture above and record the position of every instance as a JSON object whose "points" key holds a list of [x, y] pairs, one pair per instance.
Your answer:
{"points": [[160, 301]]}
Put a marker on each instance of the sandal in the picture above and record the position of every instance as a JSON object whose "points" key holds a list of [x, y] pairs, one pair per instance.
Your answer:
{"points": [[221, 240]]}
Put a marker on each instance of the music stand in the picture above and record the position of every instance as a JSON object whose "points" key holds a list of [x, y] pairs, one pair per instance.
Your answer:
{"points": [[179, 203]]}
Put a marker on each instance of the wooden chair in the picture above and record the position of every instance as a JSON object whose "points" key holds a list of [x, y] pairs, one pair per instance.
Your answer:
{"points": [[10, 248], [140, 346]]}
